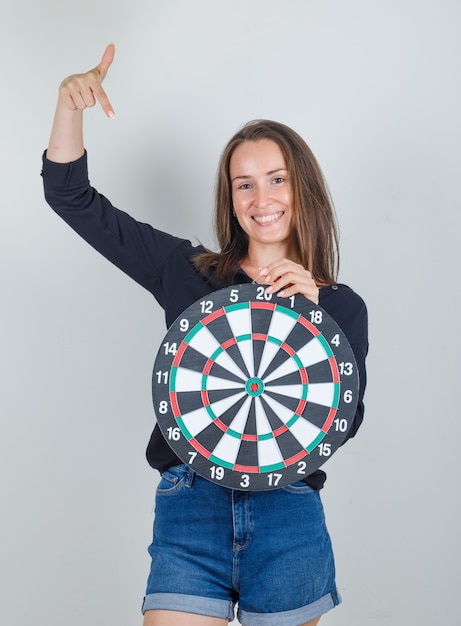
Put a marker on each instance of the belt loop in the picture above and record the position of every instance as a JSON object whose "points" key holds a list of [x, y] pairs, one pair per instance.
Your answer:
{"points": [[190, 477]]}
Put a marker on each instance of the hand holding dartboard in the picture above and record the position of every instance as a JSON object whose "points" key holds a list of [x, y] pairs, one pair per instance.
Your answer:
{"points": [[254, 391]]}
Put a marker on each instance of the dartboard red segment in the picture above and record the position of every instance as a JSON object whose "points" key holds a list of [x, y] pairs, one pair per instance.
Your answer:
{"points": [[212, 317], [262, 305], [329, 420], [247, 384], [242, 469], [334, 369], [230, 342], [249, 437], [297, 457], [315, 331], [174, 404]]}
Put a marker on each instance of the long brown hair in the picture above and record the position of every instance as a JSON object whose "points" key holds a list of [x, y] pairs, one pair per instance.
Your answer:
{"points": [[315, 228]]}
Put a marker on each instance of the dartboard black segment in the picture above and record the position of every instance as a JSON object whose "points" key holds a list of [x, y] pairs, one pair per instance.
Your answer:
{"points": [[254, 391]]}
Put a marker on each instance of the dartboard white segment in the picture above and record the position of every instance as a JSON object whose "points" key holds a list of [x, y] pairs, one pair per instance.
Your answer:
{"points": [[239, 422], [221, 406], [196, 421], [282, 412], [322, 393], [282, 323], [213, 383], [269, 453], [240, 324], [227, 449], [254, 391], [304, 431], [205, 343], [271, 349], [263, 427], [312, 353], [291, 391], [240, 321], [189, 380], [288, 367], [225, 361]]}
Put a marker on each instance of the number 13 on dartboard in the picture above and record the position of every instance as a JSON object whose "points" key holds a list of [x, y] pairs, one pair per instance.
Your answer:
{"points": [[254, 391]]}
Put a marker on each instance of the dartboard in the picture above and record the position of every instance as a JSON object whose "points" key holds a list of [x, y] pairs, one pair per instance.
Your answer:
{"points": [[254, 391]]}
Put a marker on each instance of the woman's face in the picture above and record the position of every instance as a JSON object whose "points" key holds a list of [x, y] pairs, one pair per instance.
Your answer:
{"points": [[261, 191]]}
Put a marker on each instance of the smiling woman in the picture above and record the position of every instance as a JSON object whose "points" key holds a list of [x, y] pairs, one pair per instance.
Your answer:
{"points": [[215, 547], [267, 164]]}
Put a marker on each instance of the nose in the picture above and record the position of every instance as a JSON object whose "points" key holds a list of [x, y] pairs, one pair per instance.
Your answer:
{"points": [[262, 197]]}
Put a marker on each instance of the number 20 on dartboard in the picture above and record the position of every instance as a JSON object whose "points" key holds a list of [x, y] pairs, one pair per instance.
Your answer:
{"points": [[254, 391]]}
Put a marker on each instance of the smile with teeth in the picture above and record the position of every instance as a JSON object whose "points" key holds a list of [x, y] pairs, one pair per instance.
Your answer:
{"points": [[267, 219]]}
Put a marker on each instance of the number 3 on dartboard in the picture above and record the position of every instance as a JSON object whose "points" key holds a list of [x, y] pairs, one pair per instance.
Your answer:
{"points": [[245, 482]]}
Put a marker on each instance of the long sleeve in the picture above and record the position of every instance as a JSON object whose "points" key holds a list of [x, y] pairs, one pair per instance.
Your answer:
{"points": [[136, 248]]}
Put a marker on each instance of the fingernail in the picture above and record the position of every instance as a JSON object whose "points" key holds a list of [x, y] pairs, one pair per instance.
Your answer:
{"points": [[262, 271], [111, 114]]}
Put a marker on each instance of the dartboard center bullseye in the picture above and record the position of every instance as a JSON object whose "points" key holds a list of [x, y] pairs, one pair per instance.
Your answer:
{"points": [[254, 387]]}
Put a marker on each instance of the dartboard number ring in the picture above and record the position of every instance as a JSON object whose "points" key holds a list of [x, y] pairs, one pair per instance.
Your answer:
{"points": [[254, 391]]}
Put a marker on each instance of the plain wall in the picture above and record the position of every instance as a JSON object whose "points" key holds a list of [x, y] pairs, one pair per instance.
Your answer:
{"points": [[374, 87]]}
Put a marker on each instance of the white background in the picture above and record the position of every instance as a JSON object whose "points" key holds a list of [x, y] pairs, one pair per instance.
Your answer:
{"points": [[374, 87]]}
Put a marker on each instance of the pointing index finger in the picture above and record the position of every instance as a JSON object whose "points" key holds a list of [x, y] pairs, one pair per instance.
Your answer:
{"points": [[102, 69], [103, 100]]}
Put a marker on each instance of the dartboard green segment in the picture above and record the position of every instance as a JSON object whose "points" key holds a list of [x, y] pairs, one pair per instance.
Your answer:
{"points": [[254, 391]]}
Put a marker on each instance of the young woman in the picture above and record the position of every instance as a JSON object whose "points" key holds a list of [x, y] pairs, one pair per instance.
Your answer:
{"points": [[214, 547]]}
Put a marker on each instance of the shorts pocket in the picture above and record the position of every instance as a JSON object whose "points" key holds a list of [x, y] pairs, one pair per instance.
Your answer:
{"points": [[173, 480], [299, 487]]}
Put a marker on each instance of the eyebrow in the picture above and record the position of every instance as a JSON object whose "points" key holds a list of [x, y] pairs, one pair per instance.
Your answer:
{"points": [[270, 173]]}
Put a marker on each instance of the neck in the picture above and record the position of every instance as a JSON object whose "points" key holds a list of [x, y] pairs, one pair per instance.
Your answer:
{"points": [[262, 256]]}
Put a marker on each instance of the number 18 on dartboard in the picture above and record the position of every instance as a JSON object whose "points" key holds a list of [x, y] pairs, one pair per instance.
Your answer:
{"points": [[254, 391]]}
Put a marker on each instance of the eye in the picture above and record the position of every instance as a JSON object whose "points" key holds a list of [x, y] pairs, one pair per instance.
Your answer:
{"points": [[278, 180], [245, 186]]}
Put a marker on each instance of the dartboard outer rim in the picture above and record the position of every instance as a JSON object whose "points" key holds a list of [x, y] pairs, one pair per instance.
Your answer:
{"points": [[252, 295]]}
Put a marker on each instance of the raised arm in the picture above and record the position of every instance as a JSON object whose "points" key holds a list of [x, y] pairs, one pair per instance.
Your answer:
{"points": [[76, 93]]}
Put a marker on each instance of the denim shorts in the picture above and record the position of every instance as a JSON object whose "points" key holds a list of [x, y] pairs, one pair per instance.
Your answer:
{"points": [[268, 552]]}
